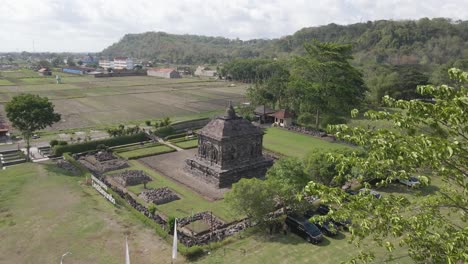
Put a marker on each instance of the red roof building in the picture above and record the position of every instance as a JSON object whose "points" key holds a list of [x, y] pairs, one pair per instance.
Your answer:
{"points": [[283, 118]]}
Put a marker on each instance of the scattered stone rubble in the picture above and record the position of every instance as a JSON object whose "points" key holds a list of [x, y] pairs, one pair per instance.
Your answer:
{"points": [[159, 196], [307, 131], [132, 177], [102, 162], [66, 165]]}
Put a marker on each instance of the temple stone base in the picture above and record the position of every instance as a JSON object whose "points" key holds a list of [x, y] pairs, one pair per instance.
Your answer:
{"points": [[225, 177]]}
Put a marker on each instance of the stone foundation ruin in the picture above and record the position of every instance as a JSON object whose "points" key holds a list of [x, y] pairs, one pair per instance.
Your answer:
{"points": [[159, 196], [131, 177], [229, 148], [102, 162]]}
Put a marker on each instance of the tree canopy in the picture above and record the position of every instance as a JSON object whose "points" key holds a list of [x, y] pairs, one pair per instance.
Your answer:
{"points": [[429, 140], [29, 113], [323, 80]]}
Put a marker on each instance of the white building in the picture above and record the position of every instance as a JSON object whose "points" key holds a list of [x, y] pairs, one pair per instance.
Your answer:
{"points": [[106, 64], [123, 63], [119, 63], [205, 71]]}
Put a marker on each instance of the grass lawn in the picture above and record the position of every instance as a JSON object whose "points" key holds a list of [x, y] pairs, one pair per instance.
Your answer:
{"points": [[257, 247], [5, 82], [295, 144], [144, 152], [187, 144], [189, 200], [45, 213]]}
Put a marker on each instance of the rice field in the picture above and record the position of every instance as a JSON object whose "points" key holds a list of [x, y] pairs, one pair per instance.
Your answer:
{"points": [[85, 101]]}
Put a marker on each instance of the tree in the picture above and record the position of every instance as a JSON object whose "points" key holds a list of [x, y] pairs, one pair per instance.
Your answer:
{"points": [[29, 113], [321, 169], [323, 80], [257, 198], [253, 198], [70, 62], [57, 61], [429, 140]]}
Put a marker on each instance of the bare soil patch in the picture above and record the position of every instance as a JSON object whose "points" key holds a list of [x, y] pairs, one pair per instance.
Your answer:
{"points": [[172, 164]]}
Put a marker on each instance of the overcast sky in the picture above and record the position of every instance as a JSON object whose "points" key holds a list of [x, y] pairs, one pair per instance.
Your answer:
{"points": [[92, 25]]}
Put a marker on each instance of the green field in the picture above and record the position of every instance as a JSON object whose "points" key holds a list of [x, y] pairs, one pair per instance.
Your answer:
{"points": [[85, 101], [44, 213], [145, 152], [189, 201], [295, 144], [5, 82]]}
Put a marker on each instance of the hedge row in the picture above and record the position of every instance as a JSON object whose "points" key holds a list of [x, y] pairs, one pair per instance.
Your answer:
{"points": [[92, 145]]}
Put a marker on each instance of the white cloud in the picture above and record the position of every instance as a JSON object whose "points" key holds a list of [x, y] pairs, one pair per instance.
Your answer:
{"points": [[91, 25]]}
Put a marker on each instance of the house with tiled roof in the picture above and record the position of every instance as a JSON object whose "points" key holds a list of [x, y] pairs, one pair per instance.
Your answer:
{"points": [[283, 118]]}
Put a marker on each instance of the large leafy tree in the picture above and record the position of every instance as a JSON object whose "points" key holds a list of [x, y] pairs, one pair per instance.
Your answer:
{"points": [[257, 198], [29, 113], [429, 140], [324, 81]]}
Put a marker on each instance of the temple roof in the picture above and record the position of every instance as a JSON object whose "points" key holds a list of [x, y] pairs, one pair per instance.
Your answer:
{"points": [[229, 125]]}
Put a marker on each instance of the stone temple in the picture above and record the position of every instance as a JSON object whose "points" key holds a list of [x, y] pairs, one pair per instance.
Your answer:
{"points": [[229, 148]]}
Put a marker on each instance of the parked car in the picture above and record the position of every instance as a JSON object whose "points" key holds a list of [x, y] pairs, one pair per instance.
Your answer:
{"points": [[35, 136], [302, 227], [375, 193], [330, 228], [410, 182]]}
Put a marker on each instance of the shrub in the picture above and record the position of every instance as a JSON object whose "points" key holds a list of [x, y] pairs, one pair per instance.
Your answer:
{"points": [[62, 143], [164, 131], [178, 135], [53, 142], [306, 119], [194, 252], [148, 122], [152, 209], [332, 120], [170, 223], [102, 147], [92, 145]]}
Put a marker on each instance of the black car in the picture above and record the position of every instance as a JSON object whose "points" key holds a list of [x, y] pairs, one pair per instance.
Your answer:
{"points": [[324, 210], [302, 227], [328, 227]]}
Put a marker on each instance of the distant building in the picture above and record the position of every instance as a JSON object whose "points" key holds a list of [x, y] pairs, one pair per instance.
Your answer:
{"points": [[77, 70], [205, 71], [44, 72], [170, 73], [283, 118], [121, 63], [4, 130], [263, 114], [106, 64]]}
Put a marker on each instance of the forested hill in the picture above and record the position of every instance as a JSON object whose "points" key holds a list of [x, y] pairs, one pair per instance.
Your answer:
{"points": [[424, 41]]}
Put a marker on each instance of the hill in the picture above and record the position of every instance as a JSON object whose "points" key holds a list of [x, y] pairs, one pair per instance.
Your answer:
{"points": [[425, 41]]}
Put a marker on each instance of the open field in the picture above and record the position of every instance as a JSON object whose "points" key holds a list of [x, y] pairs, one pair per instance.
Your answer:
{"points": [[295, 144], [85, 101], [45, 213]]}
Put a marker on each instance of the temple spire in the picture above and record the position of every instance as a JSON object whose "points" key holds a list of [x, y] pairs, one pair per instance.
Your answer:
{"points": [[230, 112]]}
